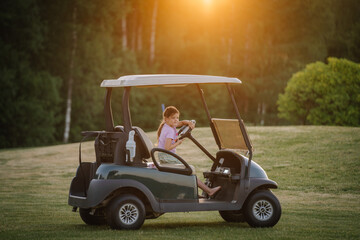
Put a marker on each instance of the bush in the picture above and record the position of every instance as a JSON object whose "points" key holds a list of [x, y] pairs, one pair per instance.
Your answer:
{"points": [[323, 94]]}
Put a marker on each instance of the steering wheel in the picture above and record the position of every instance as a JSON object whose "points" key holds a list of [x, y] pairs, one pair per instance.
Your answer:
{"points": [[185, 130]]}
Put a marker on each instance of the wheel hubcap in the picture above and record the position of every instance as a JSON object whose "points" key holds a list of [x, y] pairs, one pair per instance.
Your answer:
{"points": [[262, 210], [128, 214]]}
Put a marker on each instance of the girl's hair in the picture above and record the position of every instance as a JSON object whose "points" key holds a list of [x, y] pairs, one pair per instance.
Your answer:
{"points": [[169, 111]]}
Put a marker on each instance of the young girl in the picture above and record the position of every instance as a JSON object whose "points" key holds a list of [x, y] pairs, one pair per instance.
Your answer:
{"points": [[167, 138]]}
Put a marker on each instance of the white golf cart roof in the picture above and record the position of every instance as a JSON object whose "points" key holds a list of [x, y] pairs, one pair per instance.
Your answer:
{"points": [[164, 80]]}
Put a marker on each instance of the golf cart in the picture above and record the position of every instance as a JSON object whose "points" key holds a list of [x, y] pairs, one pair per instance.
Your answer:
{"points": [[128, 183]]}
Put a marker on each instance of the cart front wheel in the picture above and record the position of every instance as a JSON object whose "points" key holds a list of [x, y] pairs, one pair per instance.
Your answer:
{"points": [[126, 212], [262, 209]]}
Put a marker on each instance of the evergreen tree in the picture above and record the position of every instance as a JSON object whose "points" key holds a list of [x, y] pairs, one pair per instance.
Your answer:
{"points": [[29, 95], [99, 55]]}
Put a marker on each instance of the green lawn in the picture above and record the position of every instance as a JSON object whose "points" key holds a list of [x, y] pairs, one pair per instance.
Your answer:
{"points": [[317, 169]]}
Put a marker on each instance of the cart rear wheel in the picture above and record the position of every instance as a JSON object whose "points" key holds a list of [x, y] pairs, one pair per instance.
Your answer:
{"points": [[91, 219], [262, 209], [232, 216], [126, 212]]}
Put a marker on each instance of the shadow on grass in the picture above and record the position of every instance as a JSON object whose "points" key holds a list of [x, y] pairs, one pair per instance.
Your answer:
{"points": [[158, 226], [180, 230], [174, 225]]}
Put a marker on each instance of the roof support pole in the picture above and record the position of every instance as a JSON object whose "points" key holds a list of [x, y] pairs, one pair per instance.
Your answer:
{"points": [[209, 117], [109, 122], [242, 127], [126, 110]]}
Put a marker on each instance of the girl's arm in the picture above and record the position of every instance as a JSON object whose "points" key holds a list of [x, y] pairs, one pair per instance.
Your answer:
{"points": [[169, 146], [186, 122]]}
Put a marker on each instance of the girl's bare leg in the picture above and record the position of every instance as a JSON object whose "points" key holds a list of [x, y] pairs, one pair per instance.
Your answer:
{"points": [[209, 191]]}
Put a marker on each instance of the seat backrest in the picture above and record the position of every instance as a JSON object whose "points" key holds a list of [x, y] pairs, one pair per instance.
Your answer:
{"points": [[143, 143]]}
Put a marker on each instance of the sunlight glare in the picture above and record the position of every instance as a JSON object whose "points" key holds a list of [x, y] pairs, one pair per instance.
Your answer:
{"points": [[208, 5]]}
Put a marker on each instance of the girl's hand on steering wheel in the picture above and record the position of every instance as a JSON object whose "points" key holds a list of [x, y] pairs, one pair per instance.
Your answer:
{"points": [[191, 124]]}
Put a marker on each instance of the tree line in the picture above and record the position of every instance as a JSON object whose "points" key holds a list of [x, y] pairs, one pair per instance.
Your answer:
{"points": [[54, 55]]}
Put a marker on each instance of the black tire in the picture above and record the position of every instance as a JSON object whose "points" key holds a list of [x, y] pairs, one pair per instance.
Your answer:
{"points": [[232, 216], [91, 219], [262, 209], [125, 212]]}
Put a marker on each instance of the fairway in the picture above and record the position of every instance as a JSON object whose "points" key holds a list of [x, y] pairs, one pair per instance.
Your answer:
{"points": [[317, 169]]}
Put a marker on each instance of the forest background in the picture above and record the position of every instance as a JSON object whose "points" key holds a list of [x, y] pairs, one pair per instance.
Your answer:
{"points": [[54, 55]]}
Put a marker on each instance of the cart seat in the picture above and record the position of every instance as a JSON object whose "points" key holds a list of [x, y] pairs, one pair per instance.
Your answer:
{"points": [[143, 144]]}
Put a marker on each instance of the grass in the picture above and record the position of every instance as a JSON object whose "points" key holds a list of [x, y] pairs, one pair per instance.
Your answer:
{"points": [[317, 169]]}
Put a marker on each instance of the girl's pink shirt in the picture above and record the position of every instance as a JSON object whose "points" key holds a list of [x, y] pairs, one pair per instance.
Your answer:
{"points": [[167, 132]]}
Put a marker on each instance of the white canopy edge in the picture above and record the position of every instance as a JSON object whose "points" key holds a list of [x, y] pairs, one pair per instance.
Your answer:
{"points": [[165, 79]]}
